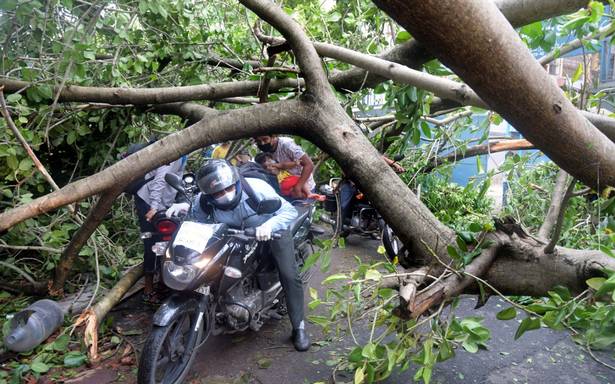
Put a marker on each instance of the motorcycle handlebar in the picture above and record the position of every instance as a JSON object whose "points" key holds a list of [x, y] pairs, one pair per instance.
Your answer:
{"points": [[251, 232]]}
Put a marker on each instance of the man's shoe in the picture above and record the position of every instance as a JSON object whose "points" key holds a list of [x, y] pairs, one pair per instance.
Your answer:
{"points": [[301, 340]]}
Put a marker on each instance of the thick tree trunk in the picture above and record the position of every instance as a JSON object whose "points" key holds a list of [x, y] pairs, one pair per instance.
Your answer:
{"points": [[485, 51], [80, 238]]}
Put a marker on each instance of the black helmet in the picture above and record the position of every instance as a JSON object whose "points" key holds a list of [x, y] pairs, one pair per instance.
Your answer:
{"points": [[215, 176]]}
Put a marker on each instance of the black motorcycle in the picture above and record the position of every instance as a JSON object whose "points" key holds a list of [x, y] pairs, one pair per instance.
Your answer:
{"points": [[224, 282], [363, 220]]}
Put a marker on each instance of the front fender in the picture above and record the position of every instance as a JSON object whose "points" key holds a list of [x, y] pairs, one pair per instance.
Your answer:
{"points": [[178, 302]]}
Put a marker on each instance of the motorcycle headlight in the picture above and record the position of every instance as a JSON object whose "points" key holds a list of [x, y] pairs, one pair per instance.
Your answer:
{"points": [[178, 277]]}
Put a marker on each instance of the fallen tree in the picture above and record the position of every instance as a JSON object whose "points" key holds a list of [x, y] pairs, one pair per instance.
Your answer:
{"points": [[315, 114]]}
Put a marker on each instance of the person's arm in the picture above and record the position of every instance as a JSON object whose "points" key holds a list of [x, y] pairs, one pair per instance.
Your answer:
{"points": [[286, 164], [281, 218], [301, 189], [156, 187], [394, 164]]}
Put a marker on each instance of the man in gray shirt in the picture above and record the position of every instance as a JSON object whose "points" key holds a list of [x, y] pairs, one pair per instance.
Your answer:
{"points": [[154, 196], [285, 150]]}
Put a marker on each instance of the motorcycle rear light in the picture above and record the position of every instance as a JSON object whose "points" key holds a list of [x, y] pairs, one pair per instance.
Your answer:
{"points": [[166, 228]]}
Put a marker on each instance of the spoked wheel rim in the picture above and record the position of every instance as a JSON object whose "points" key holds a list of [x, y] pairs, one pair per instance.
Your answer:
{"points": [[177, 348]]}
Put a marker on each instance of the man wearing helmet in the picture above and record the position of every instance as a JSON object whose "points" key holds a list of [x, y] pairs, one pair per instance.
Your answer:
{"points": [[229, 198]]}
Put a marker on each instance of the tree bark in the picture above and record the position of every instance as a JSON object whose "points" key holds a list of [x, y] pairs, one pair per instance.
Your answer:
{"points": [[80, 238], [484, 50]]}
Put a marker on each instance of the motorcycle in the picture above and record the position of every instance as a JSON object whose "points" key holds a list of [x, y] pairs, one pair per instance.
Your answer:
{"points": [[223, 282], [363, 220]]}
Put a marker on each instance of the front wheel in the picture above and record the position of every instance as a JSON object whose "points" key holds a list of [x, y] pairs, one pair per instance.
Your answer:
{"points": [[393, 247], [170, 350]]}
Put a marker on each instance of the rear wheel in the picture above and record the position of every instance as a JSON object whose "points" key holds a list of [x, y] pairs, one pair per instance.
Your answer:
{"points": [[170, 350]]}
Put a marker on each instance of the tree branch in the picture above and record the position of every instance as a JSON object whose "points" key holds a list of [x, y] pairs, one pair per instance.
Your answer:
{"points": [[482, 149], [564, 49], [304, 51], [23, 142], [80, 238], [281, 117], [560, 218], [141, 96], [556, 205]]}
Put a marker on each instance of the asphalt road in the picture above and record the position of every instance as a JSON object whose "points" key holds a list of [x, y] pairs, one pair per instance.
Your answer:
{"points": [[267, 356]]}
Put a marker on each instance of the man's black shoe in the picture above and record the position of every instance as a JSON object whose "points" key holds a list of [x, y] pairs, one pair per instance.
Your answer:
{"points": [[301, 340]]}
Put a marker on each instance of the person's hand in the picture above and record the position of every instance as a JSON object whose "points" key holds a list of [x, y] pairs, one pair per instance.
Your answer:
{"points": [[177, 209], [150, 214], [397, 168], [263, 232], [297, 191]]}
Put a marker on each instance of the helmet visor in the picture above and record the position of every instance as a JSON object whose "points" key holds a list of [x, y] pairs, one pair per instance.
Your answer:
{"points": [[222, 177]]}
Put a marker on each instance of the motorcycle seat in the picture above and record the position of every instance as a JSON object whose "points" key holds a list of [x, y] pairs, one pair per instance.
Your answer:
{"points": [[304, 212]]}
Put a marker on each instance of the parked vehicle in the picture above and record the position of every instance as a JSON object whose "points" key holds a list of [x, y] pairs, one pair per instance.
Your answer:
{"points": [[363, 219], [223, 282]]}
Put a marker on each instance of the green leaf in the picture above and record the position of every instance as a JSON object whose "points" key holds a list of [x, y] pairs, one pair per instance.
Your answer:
{"points": [[452, 251], [61, 343], [341, 242], [461, 244], [334, 278], [356, 355], [507, 314], [476, 227], [402, 36], [311, 260], [359, 376], [39, 367], [479, 165], [13, 97], [74, 359], [373, 274], [577, 74], [529, 323], [313, 293], [369, 351], [595, 282], [314, 304]]}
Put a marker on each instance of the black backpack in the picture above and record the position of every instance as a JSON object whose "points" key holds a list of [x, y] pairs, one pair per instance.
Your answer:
{"points": [[256, 171]]}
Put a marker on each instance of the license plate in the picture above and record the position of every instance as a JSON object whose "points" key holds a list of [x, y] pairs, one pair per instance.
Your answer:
{"points": [[204, 290]]}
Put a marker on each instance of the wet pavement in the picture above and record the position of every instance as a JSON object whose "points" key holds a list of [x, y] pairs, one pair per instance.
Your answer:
{"points": [[267, 356]]}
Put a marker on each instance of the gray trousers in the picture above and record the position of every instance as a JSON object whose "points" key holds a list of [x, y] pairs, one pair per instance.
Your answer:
{"points": [[283, 252]]}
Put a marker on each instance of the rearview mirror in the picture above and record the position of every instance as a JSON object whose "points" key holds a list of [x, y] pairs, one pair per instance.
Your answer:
{"points": [[174, 181], [267, 206]]}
